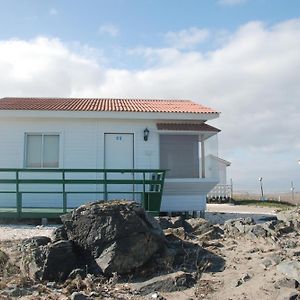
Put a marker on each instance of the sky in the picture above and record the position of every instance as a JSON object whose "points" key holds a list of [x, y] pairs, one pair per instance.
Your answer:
{"points": [[240, 57]]}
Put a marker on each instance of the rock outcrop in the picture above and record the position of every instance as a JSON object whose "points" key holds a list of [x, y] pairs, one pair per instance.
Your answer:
{"points": [[103, 237], [119, 235]]}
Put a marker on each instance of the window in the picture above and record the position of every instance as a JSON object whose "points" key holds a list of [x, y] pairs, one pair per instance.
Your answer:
{"points": [[41, 150], [180, 155]]}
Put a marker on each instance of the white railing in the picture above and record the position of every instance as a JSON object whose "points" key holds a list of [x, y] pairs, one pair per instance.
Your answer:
{"points": [[221, 191]]}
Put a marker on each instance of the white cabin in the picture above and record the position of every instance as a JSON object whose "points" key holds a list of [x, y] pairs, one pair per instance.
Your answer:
{"points": [[58, 133]]}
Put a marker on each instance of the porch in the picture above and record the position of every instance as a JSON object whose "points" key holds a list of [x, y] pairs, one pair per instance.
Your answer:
{"points": [[49, 193]]}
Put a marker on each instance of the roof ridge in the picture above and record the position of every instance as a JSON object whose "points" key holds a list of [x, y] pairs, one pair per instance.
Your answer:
{"points": [[104, 98]]}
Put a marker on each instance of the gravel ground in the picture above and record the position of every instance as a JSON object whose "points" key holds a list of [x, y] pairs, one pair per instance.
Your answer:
{"points": [[219, 213], [242, 209], [20, 231]]}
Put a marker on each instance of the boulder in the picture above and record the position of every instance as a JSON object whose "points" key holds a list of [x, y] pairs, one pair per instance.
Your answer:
{"points": [[119, 235], [42, 260], [61, 260], [34, 253], [197, 226]]}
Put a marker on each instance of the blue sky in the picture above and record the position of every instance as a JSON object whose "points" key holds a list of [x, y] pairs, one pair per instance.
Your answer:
{"points": [[240, 57], [138, 23]]}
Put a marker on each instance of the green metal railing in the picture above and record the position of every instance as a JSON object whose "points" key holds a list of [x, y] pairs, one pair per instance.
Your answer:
{"points": [[145, 184]]}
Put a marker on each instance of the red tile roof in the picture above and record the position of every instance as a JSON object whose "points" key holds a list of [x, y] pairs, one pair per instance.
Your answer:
{"points": [[186, 127], [99, 104]]}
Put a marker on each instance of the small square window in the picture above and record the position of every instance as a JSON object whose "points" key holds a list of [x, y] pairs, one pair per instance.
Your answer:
{"points": [[42, 150]]}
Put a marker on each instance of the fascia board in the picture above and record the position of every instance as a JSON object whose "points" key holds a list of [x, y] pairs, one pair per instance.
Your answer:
{"points": [[107, 115]]}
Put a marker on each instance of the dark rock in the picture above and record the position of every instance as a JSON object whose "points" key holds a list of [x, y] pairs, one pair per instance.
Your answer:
{"points": [[240, 226], [37, 241], [164, 222], [44, 261], [16, 292], [34, 253], [78, 272], [3, 260], [258, 231], [79, 296], [166, 283], [246, 277], [59, 234], [178, 232], [119, 235], [197, 226], [282, 228], [60, 261]]}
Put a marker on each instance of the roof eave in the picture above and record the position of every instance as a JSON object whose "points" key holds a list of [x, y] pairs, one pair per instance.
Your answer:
{"points": [[109, 114]]}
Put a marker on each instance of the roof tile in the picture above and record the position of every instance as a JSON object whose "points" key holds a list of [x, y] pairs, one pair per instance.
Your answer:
{"points": [[104, 104]]}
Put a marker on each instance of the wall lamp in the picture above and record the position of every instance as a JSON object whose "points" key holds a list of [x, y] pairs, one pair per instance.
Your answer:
{"points": [[146, 134]]}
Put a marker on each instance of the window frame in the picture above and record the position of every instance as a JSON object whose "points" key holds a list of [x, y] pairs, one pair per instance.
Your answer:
{"points": [[42, 134]]}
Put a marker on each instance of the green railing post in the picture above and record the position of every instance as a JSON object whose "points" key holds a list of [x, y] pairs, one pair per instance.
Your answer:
{"points": [[64, 192], [105, 186], [18, 196], [144, 190]]}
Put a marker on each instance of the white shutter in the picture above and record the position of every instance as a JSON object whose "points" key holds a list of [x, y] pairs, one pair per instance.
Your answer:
{"points": [[51, 151], [34, 151]]}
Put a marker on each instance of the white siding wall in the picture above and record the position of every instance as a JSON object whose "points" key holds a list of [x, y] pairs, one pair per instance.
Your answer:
{"points": [[82, 141], [82, 146]]}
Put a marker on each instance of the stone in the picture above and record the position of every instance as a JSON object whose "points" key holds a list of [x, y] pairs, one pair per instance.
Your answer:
{"points": [[34, 252], [14, 292], [164, 222], [61, 260], [286, 283], [79, 296], [234, 227], [78, 272], [244, 278], [289, 215], [59, 234], [166, 283], [287, 294], [290, 268], [177, 232], [119, 235], [266, 263], [3, 260], [258, 231], [197, 226], [271, 260], [42, 260]]}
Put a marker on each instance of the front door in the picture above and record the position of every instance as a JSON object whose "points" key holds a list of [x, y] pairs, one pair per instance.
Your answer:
{"points": [[119, 154]]}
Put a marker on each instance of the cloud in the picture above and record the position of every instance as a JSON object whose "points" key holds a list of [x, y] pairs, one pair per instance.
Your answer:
{"points": [[44, 67], [187, 38], [231, 2], [109, 29], [252, 78], [53, 12]]}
